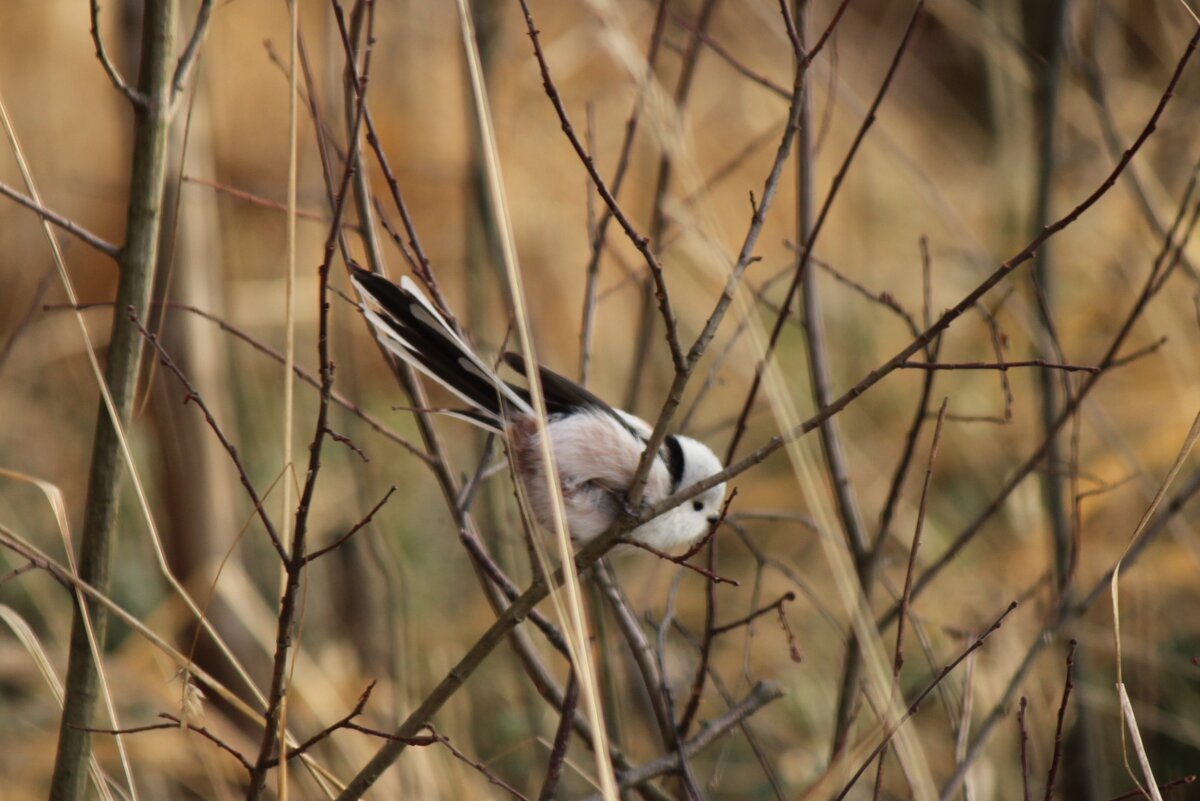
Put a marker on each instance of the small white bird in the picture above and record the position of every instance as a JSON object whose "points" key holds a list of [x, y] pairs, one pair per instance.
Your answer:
{"points": [[596, 447]]}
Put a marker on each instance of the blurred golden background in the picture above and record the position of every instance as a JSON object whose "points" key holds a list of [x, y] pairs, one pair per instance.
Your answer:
{"points": [[954, 158]]}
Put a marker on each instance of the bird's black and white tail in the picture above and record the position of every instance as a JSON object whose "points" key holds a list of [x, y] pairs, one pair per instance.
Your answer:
{"points": [[410, 327]]}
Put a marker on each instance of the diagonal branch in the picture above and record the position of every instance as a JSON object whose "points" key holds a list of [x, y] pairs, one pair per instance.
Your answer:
{"points": [[317, 554], [193, 396], [912, 709], [762, 694], [74, 229], [192, 50]]}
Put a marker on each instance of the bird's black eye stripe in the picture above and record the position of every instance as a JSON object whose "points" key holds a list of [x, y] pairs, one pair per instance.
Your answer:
{"points": [[698, 505], [674, 459]]}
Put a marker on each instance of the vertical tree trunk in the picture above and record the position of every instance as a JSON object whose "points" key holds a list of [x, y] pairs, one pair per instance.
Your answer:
{"points": [[124, 357]]}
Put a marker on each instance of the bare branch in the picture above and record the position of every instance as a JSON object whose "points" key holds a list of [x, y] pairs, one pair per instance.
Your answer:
{"points": [[250, 197], [1052, 775], [1166, 786], [192, 50], [317, 554], [328, 730], [1024, 748], [134, 96], [1002, 366], [349, 443], [76, 230], [745, 621], [762, 694], [192, 395], [562, 737], [912, 709], [176, 724], [681, 561], [642, 243], [906, 596]]}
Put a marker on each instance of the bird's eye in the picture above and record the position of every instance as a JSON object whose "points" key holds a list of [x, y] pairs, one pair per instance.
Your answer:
{"points": [[698, 506]]}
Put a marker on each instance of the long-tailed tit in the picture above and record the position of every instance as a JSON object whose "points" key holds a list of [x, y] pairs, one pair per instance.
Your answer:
{"points": [[596, 447]]}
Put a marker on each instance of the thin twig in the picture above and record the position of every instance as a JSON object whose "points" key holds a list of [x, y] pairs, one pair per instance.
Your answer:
{"points": [[481, 768], [330, 729], [135, 97], [999, 340], [1024, 732], [642, 243], [912, 709], [598, 235], [762, 694], [675, 739], [1139, 353], [745, 621], [1068, 685], [692, 705], [912, 436], [440, 739], [424, 271], [192, 395], [39, 292], [745, 258], [639, 648], [1070, 368], [727, 350], [906, 594], [250, 197], [884, 299], [744, 724], [349, 443], [192, 50], [17, 571], [74, 229], [1166, 786], [789, 25], [558, 752], [317, 554], [587, 324], [176, 724], [824, 37], [679, 560], [658, 214]]}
